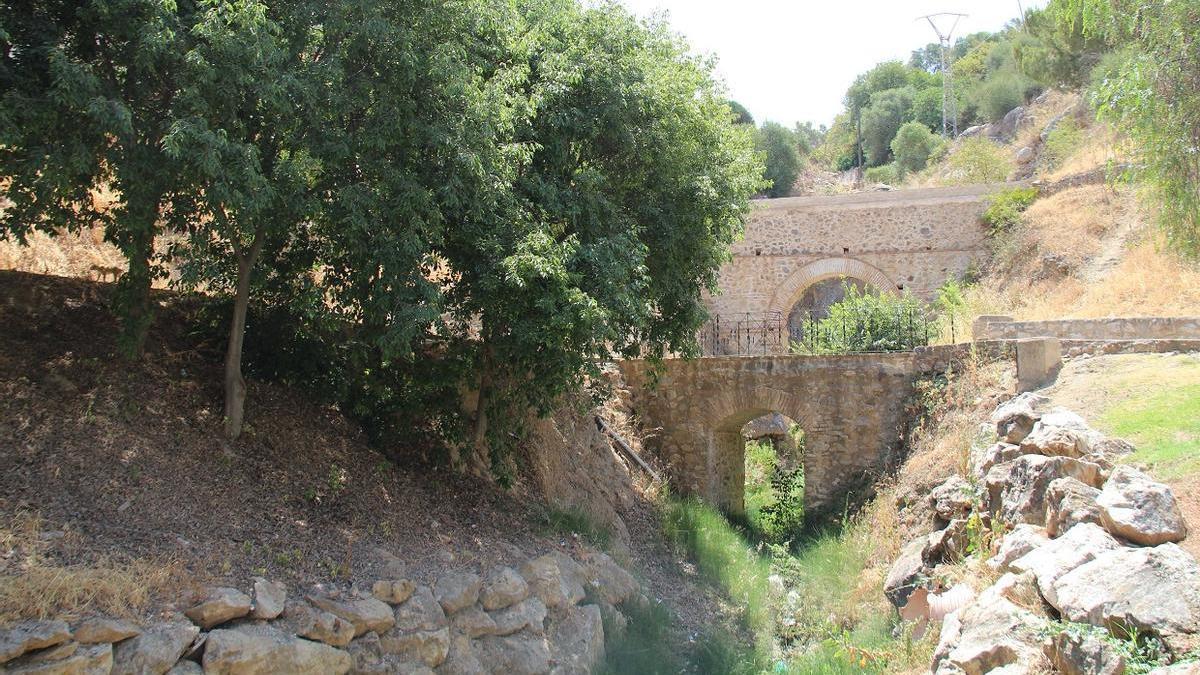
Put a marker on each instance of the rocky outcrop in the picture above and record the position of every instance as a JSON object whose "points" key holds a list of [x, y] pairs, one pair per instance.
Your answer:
{"points": [[265, 649], [1079, 537], [218, 606]]}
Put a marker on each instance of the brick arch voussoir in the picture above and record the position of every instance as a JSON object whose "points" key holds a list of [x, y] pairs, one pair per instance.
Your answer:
{"points": [[789, 292]]}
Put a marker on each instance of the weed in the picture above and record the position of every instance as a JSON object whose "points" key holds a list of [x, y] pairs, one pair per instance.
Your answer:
{"points": [[1005, 208], [573, 521], [1142, 652]]}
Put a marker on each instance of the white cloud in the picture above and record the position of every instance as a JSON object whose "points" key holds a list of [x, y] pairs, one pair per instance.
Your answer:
{"points": [[792, 60]]}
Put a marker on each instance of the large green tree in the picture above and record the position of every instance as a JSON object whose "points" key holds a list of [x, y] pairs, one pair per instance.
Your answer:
{"points": [[88, 96], [780, 147]]}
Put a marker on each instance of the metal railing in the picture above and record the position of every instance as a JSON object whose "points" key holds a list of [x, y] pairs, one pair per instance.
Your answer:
{"points": [[900, 330], [744, 334]]}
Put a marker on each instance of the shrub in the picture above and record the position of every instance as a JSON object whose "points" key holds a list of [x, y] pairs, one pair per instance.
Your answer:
{"points": [[997, 95], [881, 120], [783, 159], [869, 321], [774, 496], [912, 146], [882, 174], [1005, 208], [1063, 140], [978, 160]]}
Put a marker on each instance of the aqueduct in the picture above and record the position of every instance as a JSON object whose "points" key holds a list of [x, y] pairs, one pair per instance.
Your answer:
{"points": [[796, 250]]}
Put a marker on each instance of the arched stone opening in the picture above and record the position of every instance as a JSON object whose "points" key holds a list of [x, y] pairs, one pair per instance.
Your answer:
{"points": [[773, 494], [810, 291], [727, 450]]}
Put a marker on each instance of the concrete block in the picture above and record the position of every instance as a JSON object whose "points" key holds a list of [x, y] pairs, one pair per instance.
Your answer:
{"points": [[1038, 362]]}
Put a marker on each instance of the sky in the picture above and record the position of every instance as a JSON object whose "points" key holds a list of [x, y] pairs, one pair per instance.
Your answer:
{"points": [[791, 60]]}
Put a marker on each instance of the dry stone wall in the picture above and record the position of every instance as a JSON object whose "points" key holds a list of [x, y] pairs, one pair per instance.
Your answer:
{"points": [[910, 240], [1114, 328]]}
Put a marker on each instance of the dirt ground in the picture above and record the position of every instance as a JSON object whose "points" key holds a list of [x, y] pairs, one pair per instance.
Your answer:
{"points": [[127, 462], [1093, 385]]}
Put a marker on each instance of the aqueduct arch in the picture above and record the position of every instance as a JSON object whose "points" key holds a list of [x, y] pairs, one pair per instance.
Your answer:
{"points": [[850, 406], [792, 289]]}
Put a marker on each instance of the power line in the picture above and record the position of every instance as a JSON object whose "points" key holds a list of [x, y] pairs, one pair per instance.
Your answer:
{"points": [[949, 103]]}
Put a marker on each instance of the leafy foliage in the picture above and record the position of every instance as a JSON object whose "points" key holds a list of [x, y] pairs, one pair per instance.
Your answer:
{"points": [[882, 174], [781, 148], [912, 147], [881, 119], [1005, 208], [869, 321], [978, 160]]}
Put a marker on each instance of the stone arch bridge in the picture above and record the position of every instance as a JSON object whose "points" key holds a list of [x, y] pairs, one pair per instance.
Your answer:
{"points": [[901, 241], [851, 407]]}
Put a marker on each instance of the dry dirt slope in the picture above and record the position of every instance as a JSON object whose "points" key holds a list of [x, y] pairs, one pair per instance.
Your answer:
{"points": [[105, 464]]}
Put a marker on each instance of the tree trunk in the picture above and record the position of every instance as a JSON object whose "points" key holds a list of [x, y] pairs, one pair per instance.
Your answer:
{"points": [[480, 458], [235, 384], [132, 302]]}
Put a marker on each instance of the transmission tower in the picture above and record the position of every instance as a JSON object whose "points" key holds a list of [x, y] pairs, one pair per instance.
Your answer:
{"points": [[949, 103]]}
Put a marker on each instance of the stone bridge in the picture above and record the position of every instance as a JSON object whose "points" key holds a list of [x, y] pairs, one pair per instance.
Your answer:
{"points": [[851, 408], [796, 250]]}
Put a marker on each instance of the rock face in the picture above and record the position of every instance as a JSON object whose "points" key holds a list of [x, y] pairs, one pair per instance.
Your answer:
{"points": [[155, 650], [1140, 510], [264, 649], [218, 606], [1153, 589], [1069, 503], [505, 586], [578, 641], [1057, 557], [30, 635], [270, 597]]}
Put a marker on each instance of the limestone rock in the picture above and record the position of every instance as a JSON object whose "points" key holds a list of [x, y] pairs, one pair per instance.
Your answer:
{"points": [[521, 653], [1152, 589], [992, 633], [219, 605], [76, 660], [1138, 509], [473, 622], [505, 586], [952, 499], [155, 650], [948, 543], [577, 641], [461, 658], [1023, 539], [30, 635], [457, 591], [309, 622], [393, 591], [1057, 557], [368, 657], [1025, 155], [265, 649], [429, 647], [1014, 419], [1069, 503], [270, 597], [97, 630], [553, 585], [1017, 489], [365, 614], [909, 571], [610, 582], [420, 612], [186, 668], [1056, 441], [529, 613], [1086, 654], [997, 453]]}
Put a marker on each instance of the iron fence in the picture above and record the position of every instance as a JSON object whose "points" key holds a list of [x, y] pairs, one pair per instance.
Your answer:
{"points": [[901, 329], [744, 334]]}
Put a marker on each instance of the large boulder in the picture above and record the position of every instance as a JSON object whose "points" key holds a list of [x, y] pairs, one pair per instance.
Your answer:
{"points": [[365, 614], [1156, 590], [219, 605], [255, 649], [1138, 509], [1056, 441], [68, 658], [609, 582], [461, 659], [473, 622], [1057, 557], [420, 612], [270, 599], [369, 658], [457, 591], [98, 630], [530, 614], [997, 453], [428, 647], [1083, 653], [1069, 503], [577, 641], [523, 653], [953, 499], [503, 587], [909, 571], [1016, 490], [1014, 419], [989, 634], [155, 650], [393, 591], [1021, 540], [554, 581], [301, 618], [30, 635]]}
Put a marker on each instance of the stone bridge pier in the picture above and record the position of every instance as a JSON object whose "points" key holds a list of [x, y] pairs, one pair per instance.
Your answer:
{"points": [[851, 408]]}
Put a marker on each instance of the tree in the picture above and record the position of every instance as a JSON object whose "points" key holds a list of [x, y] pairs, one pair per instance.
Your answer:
{"points": [[783, 160], [882, 119], [912, 146], [89, 90], [740, 114], [1153, 98]]}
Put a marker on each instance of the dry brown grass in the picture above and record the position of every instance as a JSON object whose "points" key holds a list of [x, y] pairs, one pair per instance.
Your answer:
{"points": [[34, 586], [1102, 145], [66, 255], [1056, 103]]}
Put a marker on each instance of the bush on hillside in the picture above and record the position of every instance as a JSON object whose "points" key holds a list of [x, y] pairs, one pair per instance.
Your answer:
{"points": [[882, 174], [783, 159], [1062, 142], [978, 160], [912, 146], [1005, 208], [887, 112], [999, 94]]}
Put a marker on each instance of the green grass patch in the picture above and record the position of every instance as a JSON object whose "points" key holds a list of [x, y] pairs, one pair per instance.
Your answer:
{"points": [[574, 522], [1165, 428], [645, 645]]}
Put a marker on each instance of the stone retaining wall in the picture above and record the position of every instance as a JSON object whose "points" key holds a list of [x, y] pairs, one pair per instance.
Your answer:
{"points": [[1117, 328]]}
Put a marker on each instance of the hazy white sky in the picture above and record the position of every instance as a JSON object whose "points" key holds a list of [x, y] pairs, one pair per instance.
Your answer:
{"points": [[792, 60]]}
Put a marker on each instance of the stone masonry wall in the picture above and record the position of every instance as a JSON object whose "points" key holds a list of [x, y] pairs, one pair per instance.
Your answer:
{"points": [[908, 240], [1119, 328]]}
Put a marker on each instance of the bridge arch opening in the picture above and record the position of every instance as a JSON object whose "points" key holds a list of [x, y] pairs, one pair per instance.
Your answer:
{"points": [[810, 291], [774, 477]]}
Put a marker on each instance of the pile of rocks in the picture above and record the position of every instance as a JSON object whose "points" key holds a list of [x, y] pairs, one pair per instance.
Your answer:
{"points": [[1078, 538], [544, 618]]}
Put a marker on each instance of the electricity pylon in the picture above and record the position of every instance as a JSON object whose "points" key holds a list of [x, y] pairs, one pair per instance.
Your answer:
{"points": [[949, 103]]}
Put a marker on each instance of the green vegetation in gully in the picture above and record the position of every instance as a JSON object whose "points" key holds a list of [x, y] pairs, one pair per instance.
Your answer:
{"points": [[1164, 426]]}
